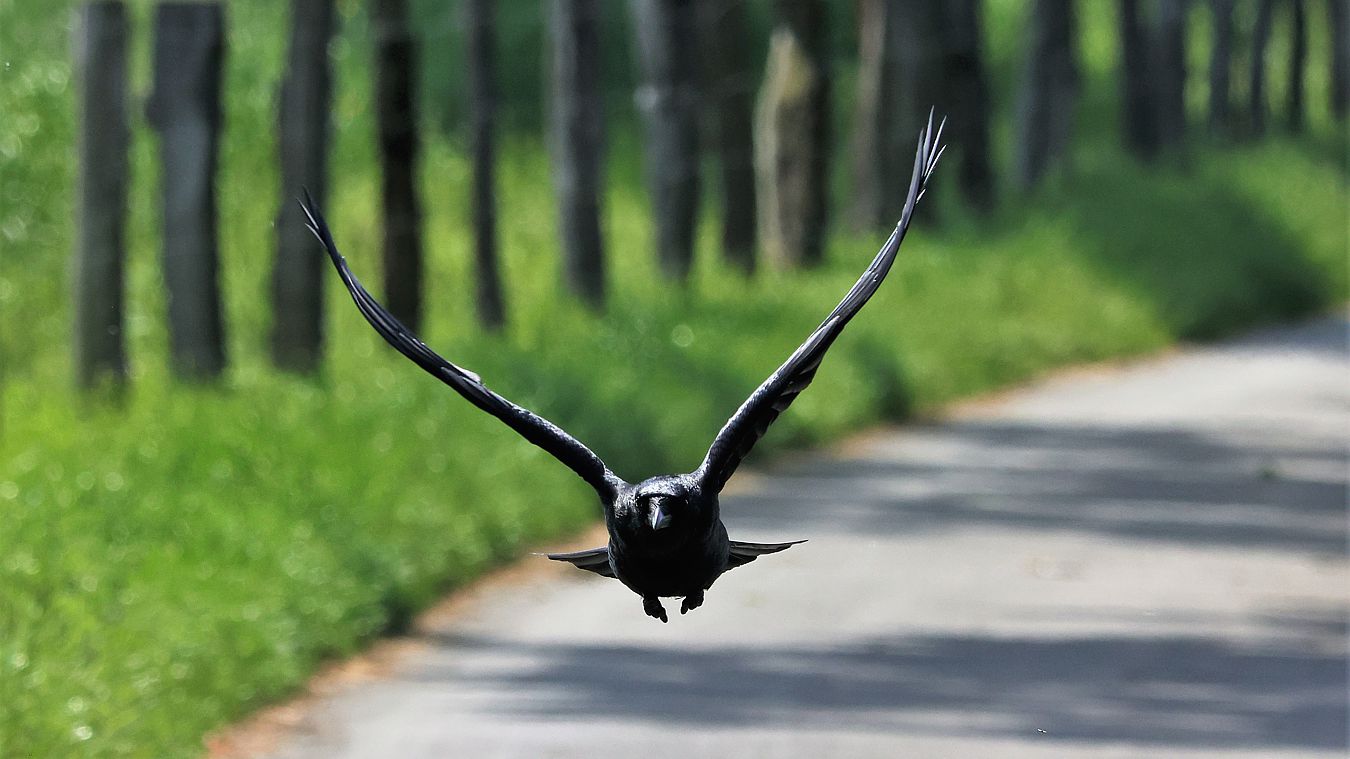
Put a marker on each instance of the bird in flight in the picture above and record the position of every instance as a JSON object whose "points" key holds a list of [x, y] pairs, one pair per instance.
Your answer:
{"points": [[666, 537]]}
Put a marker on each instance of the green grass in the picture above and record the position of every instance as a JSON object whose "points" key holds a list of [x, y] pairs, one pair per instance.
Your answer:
{"points": [[170, 561]]}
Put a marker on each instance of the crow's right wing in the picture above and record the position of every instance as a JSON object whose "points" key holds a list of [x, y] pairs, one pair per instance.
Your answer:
{"points": [[531, 426], [592, 560]]}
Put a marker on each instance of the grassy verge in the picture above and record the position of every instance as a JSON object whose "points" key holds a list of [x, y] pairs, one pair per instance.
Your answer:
{"points": [[171, 561]]}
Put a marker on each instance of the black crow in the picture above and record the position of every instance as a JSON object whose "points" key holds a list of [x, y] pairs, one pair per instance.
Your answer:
{"points": [[666, 537]]}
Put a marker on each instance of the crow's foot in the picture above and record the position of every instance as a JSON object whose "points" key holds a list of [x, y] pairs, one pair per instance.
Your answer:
{"points": [[691, 602], [652, 605]]}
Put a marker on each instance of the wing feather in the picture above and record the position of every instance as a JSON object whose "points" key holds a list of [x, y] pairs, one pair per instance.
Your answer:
{"points": [[592, 560], [744, 553]]}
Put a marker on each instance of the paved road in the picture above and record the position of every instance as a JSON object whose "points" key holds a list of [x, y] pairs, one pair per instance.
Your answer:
{"points": [[1140, 562]]}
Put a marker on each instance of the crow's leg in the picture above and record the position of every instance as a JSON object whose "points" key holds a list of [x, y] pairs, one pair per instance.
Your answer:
{"points": [[691, 602], [652, 605]]}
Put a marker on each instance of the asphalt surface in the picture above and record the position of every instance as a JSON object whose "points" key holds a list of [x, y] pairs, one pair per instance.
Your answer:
{"points": [[1147, 561]]}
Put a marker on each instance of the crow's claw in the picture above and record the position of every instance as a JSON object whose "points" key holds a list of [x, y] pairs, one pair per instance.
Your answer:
{"points": [[691, 602], [652, 605]]}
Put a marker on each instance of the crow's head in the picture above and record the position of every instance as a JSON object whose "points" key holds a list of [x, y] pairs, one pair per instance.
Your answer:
{"points": [[663, 507]]}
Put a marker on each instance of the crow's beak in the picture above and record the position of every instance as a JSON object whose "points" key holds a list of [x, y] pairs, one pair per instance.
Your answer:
{"points": [[659, 518]]}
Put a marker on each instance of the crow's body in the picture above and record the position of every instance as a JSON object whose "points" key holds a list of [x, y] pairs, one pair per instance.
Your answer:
{"points": [[666, 537], [669, 562]]}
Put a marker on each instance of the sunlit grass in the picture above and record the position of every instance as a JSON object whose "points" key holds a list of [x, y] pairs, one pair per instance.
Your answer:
{"points": [[173, 559]]}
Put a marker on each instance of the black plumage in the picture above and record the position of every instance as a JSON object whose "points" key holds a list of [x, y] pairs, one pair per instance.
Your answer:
{"points": [[666, 537]]}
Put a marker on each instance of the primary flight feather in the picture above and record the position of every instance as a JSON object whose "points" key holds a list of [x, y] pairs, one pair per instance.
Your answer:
{"points": [[666, 537]]}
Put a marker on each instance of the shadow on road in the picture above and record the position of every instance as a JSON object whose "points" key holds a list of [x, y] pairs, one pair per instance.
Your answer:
{"points": [[1159, 485], [1166, 690]]}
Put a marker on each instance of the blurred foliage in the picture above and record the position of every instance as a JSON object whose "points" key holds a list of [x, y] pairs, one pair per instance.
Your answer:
{"points": [[175, 557]]}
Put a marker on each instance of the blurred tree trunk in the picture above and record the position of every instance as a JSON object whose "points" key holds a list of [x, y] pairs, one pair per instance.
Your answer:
{"points": [[729, 101], [1220, 68], [1046, 104], [668, 103], [968, 96], [396, 123], [100, 252], [903, 49], [874, 138], [1169, 72], [482, 116], [1140, 115], [792, 123], [578, 144], [920, 89], [1298, 60], [184, 108], [1256, 113], [1338, 12], [297, 271], [872, 134]]}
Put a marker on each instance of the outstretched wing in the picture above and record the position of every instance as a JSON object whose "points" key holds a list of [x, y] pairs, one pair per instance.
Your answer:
{"points": [[744, 553], [592, 560], [531, 426], [753, 418]]}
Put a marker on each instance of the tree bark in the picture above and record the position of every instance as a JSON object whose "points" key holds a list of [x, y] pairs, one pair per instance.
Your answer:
{"points": [[396, 125], [668, 103], [1140, 113], [185, 109], [902, 79], [920, 89], [968, 99], [792, 136], [1256, 112], [1298, 60], [1220, 68], [297, 272], [578, 144], [729, 103], [874, 165], [1338, 20], [100, 253], [1169, 73], [1049, 93], [482, 114], [916, 57]]}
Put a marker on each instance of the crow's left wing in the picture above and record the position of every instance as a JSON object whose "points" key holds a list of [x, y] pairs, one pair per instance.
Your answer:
{"points": [[753, 418], [743, 553]]}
